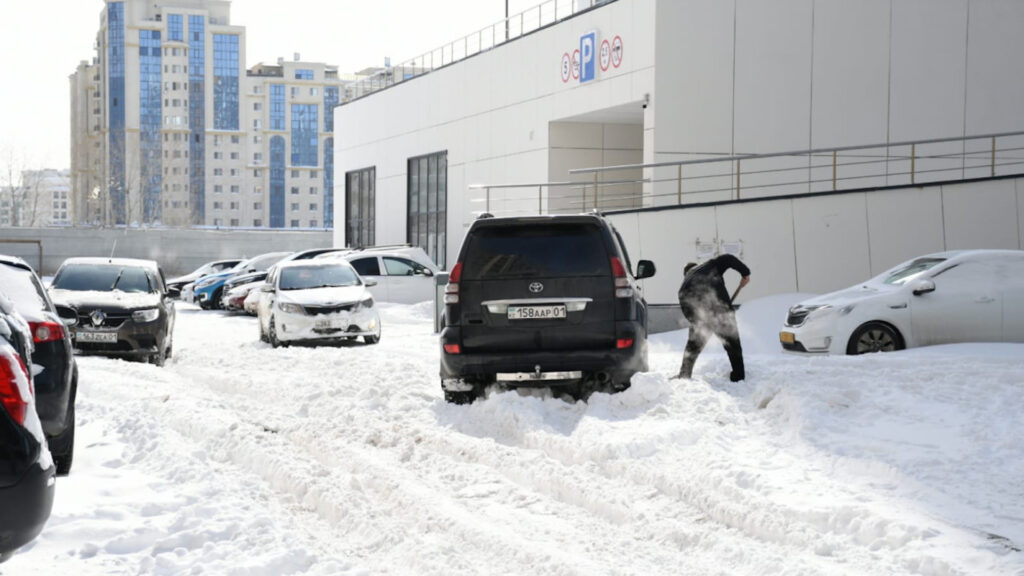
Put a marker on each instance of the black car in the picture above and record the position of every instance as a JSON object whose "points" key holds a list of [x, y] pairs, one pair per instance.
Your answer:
{"points": [[27, 474], [546, 301], [116, 307], [56, 378]]}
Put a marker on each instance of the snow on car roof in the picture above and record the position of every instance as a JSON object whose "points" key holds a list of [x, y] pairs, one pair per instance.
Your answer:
{"points": [[100, 261]]}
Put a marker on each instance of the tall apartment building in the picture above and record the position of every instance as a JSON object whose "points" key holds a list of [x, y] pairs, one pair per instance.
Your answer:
{"points": [[169, 127]]}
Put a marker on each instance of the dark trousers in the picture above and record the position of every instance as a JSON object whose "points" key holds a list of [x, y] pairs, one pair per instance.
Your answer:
{"points": [[705, 321]]}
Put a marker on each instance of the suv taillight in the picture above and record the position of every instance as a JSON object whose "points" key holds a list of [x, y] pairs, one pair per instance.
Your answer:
{"points": [[451, 291], [10, 392], [46, 331], [622, 289]]}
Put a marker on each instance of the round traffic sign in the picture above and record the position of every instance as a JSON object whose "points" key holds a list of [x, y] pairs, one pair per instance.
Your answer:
{"points": [[606, 55], [566, 67], [617, 51]]}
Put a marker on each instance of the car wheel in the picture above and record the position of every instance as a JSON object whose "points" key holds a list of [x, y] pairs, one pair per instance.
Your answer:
{"points": [[372, 339], [62, 446], [874, 337], [464, 397], [215, 299], [263, 333], [273, 333]]}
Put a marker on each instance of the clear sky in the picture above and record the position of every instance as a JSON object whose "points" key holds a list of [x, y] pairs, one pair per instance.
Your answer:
{"points": [[42, 41]]}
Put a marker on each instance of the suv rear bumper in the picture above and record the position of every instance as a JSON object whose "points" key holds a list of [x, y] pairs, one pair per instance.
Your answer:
{"points": [[26, 508], [618, 365]]}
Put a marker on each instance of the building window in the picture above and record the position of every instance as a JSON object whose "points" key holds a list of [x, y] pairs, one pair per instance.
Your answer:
{"points": [[234, 188], [257, 205], [217, 188], [225, 82], [234, 221], [295, 223], [295, 173], [257, 222], [305, 131], [330, 101], [360, 206], [312, 223], [218, 205], [312, 190], [295, 189], [426, 222], [295, 206], [313, 206], [277, 154], [174, 31], [277, 106], [150, 116], [303, 74]]}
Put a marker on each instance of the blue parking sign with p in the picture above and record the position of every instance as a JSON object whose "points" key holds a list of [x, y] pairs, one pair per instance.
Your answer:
{"points": [[588, 57]]}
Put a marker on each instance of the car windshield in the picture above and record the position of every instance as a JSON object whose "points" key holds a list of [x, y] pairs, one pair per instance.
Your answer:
{"points": [[307, 277], [20, 287], [103, 278], [911, 270], [551, 250]]}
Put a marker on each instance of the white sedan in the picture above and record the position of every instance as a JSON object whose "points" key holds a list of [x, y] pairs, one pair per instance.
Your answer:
{"points": [[316, 301], [943, 298]]}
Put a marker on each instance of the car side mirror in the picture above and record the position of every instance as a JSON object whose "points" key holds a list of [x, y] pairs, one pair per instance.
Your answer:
{"points": [[645, 269], [923, 287], [427, 272], [369, 282], [267, 288]]}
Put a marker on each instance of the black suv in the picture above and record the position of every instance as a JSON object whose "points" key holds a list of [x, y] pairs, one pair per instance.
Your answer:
{"points": [[26, 471], [56, 381], [546, 301]]}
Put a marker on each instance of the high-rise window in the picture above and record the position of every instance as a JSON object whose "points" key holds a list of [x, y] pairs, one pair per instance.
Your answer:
{"points": [[304, 135], [329, 183], [174, 30], [277, 182], [303, 74], [330, 101], [225, 82], [116, 108], [150, 116], [427, 204], [360, 206], [277, 106], [197, 116]]}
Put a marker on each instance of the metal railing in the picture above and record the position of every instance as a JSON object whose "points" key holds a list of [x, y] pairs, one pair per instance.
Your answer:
{"points": [[755, 176], [505, 30]]}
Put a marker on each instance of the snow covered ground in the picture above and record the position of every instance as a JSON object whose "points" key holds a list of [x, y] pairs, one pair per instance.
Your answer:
{"points": [[240, 459]]}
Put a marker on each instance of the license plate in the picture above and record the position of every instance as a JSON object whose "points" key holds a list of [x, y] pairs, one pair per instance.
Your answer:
{"points": [[536, 312], [325, 324], [787, 337], [107, 337]]}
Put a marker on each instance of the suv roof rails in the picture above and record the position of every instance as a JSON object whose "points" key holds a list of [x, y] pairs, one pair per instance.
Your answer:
{"points": [[484, 215]]}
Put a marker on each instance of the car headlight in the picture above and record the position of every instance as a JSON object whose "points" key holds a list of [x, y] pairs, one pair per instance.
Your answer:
{"points": [[363, 304], [289, 308], [205, 283], [147, 315]]}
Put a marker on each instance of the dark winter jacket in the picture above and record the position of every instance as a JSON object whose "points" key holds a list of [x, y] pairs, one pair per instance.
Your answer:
{"points": [[704, 282]]}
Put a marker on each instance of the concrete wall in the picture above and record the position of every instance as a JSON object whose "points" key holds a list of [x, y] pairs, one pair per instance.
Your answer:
{"points": [[823, 243], [178, 251]]}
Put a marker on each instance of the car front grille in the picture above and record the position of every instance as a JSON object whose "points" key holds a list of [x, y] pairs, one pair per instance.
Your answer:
{"points": [[317, 310], [111, 320]]}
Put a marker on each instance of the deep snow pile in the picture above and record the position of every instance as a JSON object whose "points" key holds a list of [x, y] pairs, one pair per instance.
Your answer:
{"points": [[237, 458]]}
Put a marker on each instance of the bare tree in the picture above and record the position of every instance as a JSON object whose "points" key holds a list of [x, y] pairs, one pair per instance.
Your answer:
{"points": [[20, 198]]}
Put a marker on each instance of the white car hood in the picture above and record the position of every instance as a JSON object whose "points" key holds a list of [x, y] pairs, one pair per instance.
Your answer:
{"points": [[851, 295], [93, 299], [324, 296]]}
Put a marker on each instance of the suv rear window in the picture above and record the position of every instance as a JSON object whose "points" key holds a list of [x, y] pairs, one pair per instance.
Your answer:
{"points": [[20, 286], [535, 251]]}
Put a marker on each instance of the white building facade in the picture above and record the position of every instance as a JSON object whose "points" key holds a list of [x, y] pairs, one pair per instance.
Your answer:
{"points": [[633, 82]]}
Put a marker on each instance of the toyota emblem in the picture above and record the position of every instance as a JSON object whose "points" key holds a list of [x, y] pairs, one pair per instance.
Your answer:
{"points": [[97, 317], [536, 287]]}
